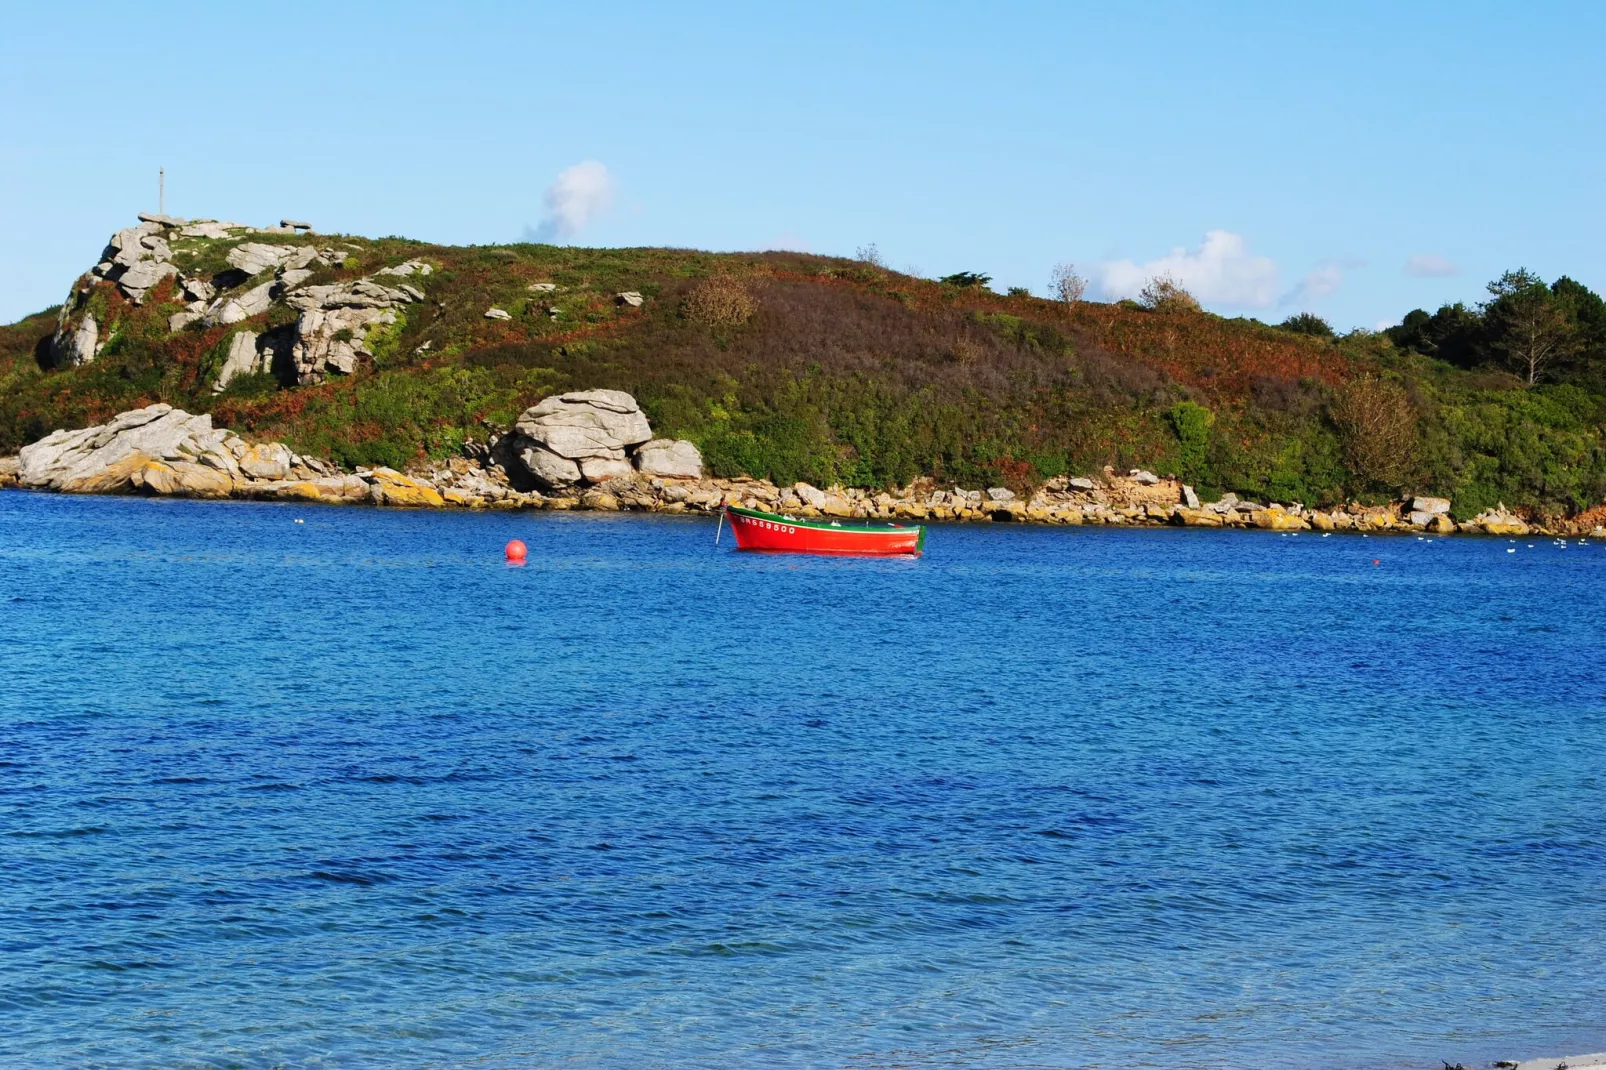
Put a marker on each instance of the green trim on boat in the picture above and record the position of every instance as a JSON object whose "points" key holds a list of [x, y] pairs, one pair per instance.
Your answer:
{"points": [[828, 524]]}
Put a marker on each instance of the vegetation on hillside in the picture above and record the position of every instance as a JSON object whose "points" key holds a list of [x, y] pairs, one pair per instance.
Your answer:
{"points": [[790, 366]]}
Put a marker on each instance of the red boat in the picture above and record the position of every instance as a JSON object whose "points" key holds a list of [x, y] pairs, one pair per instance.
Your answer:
{"points": [[768, 531]]}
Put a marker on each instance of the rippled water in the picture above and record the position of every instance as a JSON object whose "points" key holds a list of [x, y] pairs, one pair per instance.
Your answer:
{"points": [[353, 792]]}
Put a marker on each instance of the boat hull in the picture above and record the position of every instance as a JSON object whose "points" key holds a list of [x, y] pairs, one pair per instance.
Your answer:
{"points": [[779, 534]]}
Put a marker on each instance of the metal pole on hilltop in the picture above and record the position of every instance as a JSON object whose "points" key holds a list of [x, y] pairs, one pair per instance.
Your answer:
{"points": [[161, 191]]}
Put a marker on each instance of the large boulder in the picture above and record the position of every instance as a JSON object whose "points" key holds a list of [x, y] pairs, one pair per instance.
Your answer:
{"points": [[158, 449], [584, 435], [670, 459], [104, 459]]}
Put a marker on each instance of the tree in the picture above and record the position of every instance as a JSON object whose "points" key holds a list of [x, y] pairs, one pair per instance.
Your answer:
{"points": [[869, 254], [967, 279], [1455, 334], [1377, 426], [1165, 294], [1066, 285], [1527, 323], [1308, 323]]}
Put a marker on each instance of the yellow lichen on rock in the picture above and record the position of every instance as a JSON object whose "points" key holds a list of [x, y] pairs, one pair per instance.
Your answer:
{"points": [[390, 487], [115, 478], [1273, 519], [183, 479]]}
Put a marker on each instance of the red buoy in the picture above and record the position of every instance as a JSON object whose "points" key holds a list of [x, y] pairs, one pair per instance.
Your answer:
{"points": [[517, 552]]}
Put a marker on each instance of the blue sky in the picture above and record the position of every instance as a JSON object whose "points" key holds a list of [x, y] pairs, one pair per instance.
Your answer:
{"points": [[1356, 160]]}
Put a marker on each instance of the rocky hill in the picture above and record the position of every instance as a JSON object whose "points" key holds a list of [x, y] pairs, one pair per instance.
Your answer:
{"points": [[782, 367]]}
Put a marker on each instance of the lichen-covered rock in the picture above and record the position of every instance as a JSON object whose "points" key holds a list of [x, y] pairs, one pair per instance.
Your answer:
{"points": [[1273, 518], [76, 460], [182, 479], [268, 460], [389, 487]]}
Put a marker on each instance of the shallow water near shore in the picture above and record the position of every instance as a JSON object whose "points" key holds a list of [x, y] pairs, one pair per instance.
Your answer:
{"points": [[352, 791]]}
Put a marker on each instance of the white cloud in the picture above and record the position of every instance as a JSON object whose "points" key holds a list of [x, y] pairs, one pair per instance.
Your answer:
{"points": [[577, 196], [1221, 271], [1323, 281], [1430, 266], [1383, 325]]}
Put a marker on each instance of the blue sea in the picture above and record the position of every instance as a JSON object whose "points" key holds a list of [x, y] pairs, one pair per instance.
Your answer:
{"points": [[303, 786]]}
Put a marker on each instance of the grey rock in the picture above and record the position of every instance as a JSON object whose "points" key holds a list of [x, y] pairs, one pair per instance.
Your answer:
{"points": [[810, 495], [128, 239], [237, 309], [1000, 494], [1430, 505], [295, 224], [1081, 483], [243, 358], [142, 276], [359, 293], [601, 469], [542, 287], [403, 270], [161, 220], [1147, 479], [548, 469], [85, 460], [629, 297], [302, 257], [75, 344], [586, 423], [210, 228], [318, 350], [199, 289], [289, 280], [1189, 497], [497, 314], [180, 320], [411, 291], [253, 258], [671, 459]]}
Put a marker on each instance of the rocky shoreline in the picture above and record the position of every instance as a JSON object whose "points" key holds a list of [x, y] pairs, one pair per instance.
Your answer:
{"points": [[594, 450]]}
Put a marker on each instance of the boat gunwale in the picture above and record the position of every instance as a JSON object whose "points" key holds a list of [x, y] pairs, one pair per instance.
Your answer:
{"points": [[878, 527]]}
